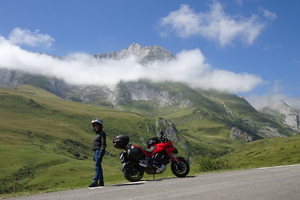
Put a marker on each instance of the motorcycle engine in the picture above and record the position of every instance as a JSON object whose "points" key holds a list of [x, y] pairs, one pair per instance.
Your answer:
{"points": [[160, 169]]}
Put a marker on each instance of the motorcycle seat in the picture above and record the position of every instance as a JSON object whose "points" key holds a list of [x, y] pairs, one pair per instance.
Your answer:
{"points": [[150, 151]]}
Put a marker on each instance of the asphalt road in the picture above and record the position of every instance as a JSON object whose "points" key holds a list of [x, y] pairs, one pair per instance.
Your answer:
{"points": [[276, 183]]}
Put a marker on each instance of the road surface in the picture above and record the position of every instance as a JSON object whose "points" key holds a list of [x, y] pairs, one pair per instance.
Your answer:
{"points": [[276, 183]]}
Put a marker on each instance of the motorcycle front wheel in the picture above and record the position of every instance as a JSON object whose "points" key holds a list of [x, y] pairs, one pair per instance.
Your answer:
{"points": [[180, 169], [133, 172]]}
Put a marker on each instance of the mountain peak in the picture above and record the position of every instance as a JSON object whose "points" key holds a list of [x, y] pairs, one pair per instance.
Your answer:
{"points": [[144, 55]]}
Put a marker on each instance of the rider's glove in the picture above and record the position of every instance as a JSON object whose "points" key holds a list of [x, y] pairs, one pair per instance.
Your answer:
{"points": [[101, 154]]}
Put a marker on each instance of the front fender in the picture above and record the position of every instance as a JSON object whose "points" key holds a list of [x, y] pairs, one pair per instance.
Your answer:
{"points": [[177, 159], [123, 166]]}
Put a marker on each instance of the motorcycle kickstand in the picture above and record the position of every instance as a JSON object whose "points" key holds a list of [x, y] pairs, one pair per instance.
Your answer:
{"points": [[153, 176]]}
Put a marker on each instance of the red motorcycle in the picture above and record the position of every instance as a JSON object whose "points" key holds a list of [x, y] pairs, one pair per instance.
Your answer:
{"points": [[135, 160]]}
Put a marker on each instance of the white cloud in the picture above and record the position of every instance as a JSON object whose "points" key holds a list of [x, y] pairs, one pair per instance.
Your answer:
{"points": [[79, 68], [190, 67], [33, 39], [272, 98], [268, 14], [214, 25], [259, 102]]}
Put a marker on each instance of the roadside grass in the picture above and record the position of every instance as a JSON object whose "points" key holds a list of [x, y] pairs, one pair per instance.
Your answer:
{"points": [[262, 153], [279, 151], [266, 153]]}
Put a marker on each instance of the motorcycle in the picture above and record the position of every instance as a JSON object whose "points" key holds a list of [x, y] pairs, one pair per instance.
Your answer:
{"points": [[135, 160]]}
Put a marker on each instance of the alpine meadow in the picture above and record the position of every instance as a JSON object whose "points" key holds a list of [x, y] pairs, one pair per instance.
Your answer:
{"points": [[46, 136], [46, 140]]}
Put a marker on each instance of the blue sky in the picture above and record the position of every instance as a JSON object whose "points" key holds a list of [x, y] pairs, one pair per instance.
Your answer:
{"points": [[248, 47]]}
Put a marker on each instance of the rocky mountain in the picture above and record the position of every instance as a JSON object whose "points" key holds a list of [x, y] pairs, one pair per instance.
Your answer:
{"points": [[12, 78], [282, 112], [231, 119], [86, 94], [144, 55]]}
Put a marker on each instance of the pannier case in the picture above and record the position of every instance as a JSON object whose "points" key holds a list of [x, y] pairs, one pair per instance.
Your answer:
{"points": [[134, 152]]}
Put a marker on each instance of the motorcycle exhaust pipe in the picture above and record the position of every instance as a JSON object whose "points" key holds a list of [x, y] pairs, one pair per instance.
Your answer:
{"points": [[143, 164]]}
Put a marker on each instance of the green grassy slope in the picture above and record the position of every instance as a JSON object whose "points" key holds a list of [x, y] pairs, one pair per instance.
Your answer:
{"points": [[45, 141], [266, 153], [207, 125]]}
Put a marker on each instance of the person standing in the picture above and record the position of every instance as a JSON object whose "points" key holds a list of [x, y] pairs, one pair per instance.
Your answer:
{"points": [[99, 151]]}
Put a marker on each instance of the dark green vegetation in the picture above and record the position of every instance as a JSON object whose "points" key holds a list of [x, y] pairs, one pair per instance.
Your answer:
{"points": [[45, 141]]}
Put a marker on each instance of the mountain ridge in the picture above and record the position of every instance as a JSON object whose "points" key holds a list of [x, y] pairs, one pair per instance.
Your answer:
{"points": [[139, 96]]}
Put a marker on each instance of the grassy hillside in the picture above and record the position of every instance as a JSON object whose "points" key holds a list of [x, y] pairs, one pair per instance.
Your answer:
{"points": [[45, 141], [266, 153], [207, 125]]}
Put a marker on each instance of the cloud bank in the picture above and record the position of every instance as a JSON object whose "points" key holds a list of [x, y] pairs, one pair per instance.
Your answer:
{"points": [[82, 69], [215, 24]]}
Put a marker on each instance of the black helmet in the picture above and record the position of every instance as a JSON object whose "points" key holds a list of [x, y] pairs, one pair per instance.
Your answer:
{"points": [[152, 141], [97, 121]]}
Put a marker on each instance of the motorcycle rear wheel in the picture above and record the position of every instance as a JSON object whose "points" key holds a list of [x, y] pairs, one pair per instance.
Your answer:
{"points": [[133, 172], [180, 169]]}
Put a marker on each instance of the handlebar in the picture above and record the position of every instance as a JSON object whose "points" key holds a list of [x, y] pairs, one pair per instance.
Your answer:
{"points": [[163, 137]]}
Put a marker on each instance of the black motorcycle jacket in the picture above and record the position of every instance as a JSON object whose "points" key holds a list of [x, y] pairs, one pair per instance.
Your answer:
{"points": [[100, 142]]}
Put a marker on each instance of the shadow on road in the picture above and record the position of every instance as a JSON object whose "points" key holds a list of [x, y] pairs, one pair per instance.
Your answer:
{"points": [[144, 181], [169, 178], [130, 183]]}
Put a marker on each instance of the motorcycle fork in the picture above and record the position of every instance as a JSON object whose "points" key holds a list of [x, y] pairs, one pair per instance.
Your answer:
{"points": [[175, 158]]}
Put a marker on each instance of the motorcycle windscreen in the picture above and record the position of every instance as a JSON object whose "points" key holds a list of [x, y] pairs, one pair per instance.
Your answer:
{"points": [[134, 152]]}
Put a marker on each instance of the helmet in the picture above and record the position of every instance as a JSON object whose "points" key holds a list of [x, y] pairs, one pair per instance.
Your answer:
{"points": [[152, 141], [97, 121]]}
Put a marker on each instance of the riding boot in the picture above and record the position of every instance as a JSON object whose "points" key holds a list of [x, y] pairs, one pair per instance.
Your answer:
{"points": [[94, 184], [101, 183]]}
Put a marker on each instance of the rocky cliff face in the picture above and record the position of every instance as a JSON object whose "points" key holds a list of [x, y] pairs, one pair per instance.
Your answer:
{"points": [[283, 109], [140, 92], [290, 116], [13, 78]]}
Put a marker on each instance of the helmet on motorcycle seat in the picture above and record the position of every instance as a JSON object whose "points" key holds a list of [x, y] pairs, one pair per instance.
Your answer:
{"points": [[152, 141]]}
